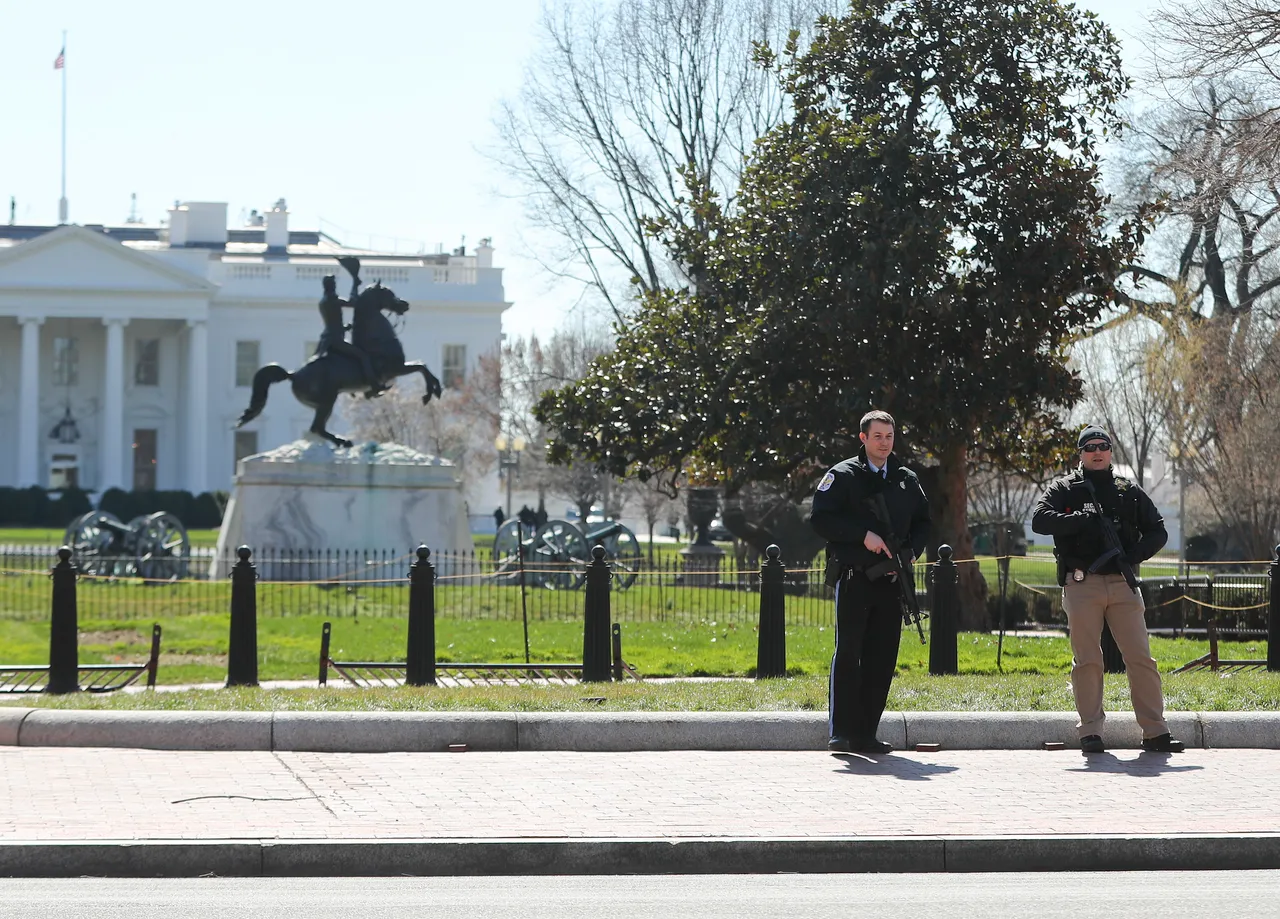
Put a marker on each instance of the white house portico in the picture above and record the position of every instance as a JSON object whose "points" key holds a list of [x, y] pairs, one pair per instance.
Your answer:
{"points": [[126, 353]]}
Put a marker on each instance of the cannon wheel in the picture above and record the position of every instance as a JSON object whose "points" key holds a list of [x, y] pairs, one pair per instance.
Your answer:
{"points": [[623, 551], [163, 549], [506, 552], [91, 538], [560, 556]]}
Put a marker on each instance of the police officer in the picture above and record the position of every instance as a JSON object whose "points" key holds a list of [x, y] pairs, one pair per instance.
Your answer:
{"points": [[868, 613], [1094, 590]]}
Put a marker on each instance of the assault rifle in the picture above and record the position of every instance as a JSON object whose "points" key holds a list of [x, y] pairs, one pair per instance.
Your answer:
{"points": [[1112, 541], [900, 564]]}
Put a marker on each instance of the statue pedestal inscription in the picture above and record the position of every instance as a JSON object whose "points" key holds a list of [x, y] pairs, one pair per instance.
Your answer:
{"points": [[306, 499]]}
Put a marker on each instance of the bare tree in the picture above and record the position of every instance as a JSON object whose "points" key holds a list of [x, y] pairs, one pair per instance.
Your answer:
{"points": [[1123, 394], [623, 103], [448, 427], [528, 368], [1210, 275]]}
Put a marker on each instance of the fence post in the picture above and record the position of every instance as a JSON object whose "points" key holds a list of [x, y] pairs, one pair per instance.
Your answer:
{"points": [[1273, 616], [771, 648], [1112, 659], [64, 647], [616, 632], [420, 659], [242, 651], [944, 618], [595, 630]]}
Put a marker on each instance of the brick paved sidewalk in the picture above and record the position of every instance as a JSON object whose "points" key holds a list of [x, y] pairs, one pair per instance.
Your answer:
{"points": [[69, 794]]}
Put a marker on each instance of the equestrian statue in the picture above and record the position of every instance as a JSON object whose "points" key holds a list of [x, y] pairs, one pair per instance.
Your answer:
{"points": [[365, 364]]}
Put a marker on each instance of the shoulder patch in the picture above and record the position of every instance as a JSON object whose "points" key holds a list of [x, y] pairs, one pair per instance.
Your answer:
{"points": [[827, 481]]}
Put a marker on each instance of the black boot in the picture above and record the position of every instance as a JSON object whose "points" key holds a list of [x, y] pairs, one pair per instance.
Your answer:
{"points": [[1164, 743], [871, 745], [1091, 743]]}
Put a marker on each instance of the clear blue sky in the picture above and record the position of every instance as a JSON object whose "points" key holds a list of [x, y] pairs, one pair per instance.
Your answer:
{"points": [[370, 115]]}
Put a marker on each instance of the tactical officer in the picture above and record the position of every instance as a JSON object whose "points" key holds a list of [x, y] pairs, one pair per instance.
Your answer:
{"points": [[1094, 589], [868, 614]]}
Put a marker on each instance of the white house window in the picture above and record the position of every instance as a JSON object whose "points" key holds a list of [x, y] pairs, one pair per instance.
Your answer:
{"points": [[246, 362], [455, 366], [146, 372], [64, 469], [66, 362], [246, 445]]}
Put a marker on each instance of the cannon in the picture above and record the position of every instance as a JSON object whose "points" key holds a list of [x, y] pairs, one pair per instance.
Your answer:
{"points": [[154, 547], [556, 554]]}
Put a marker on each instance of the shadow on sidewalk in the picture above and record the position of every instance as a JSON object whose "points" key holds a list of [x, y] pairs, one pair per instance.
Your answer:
{"points": [[1142, 765], [908, 770]]}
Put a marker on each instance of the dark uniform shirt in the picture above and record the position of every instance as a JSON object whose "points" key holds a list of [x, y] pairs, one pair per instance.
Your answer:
{"points": [[1063, 512], [842, 511]]}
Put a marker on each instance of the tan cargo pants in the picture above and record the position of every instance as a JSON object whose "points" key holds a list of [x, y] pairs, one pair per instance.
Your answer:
{"points": [[1088, 603]]}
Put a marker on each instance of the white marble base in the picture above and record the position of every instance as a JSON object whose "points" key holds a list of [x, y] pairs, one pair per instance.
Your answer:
{"points": [[310, 498]]}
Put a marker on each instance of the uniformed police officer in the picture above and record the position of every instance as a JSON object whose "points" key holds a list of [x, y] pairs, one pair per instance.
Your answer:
{"points": [[868, 613], [1095, 590]]}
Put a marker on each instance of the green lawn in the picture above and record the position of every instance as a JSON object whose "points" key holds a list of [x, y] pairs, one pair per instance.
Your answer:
{"points": [[912, 691], [194, 647]]}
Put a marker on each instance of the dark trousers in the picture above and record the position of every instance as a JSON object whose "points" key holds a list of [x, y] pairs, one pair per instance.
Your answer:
{"points": [[868, 629]]}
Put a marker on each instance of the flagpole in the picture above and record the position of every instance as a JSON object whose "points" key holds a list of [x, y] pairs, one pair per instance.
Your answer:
{"points": [[62, 202]]}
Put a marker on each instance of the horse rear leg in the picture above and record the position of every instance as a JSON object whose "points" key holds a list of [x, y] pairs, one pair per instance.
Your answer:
{"points": [[323, 411]]}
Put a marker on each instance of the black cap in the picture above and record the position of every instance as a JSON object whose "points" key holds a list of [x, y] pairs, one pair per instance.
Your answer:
{"points": [[1093, 432]]}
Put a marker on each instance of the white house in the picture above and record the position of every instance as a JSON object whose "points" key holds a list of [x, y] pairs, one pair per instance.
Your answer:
{"points": [[126, 353]]}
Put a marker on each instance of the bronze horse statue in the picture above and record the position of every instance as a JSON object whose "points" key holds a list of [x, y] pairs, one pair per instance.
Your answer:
{"points": [[318, 382]]}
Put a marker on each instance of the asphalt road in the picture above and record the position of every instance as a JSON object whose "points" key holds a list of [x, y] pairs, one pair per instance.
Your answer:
{"points": [[958, 896]]}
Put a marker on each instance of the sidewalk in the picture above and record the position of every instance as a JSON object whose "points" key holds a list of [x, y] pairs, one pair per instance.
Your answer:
{"points": [[69, 811]]}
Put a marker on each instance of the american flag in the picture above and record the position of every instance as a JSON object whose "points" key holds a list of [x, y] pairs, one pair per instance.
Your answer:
{"points": [[61, 60]]}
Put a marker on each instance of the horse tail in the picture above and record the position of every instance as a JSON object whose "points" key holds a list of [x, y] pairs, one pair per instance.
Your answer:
{"points": [[262, 380]]}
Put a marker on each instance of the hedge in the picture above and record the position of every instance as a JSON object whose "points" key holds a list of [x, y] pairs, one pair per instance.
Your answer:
{"points": [[33, 506]]}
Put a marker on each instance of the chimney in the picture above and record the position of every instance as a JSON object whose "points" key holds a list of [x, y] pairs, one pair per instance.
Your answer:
{"points": [[278, 227], [198, 223], [484, 253]]}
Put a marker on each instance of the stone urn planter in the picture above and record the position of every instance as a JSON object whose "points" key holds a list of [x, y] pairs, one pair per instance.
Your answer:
{"points": [[701, 559]]}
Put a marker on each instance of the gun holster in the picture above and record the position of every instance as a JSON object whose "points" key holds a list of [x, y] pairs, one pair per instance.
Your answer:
{"points": [[1062, 567], [834, 572]]}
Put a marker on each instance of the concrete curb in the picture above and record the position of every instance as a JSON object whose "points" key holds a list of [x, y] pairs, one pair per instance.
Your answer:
{"points": [[424, 858], [602, 732]]}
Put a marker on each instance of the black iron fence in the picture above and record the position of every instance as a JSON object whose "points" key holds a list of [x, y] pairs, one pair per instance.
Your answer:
{"points": [[471, 585]]}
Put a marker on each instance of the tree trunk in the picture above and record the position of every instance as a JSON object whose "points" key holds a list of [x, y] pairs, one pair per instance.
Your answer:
{"points": [[947, 487]]}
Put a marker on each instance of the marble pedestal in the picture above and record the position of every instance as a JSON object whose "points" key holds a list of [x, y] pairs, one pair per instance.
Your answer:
{"points": [[310, 500]]}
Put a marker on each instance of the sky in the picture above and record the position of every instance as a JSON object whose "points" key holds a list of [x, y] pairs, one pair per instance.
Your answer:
{"points": [[372, 119]]}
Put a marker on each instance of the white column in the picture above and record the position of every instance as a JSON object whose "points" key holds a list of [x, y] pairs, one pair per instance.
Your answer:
{"points": [[29, 404], [112, 432], [197, 406]]}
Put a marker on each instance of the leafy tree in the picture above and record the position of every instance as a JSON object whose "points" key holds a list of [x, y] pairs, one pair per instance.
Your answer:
{"points": [[923, 236]]}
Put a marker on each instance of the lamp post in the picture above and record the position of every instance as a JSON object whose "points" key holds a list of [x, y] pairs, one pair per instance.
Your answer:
{"points": [[509, 450]]}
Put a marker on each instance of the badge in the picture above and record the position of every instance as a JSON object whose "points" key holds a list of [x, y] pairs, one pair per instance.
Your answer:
{"points": [[827, 481], [1077, 575]]}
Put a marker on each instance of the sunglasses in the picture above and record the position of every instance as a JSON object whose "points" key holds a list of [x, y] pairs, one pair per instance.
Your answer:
{"points": [[1096, 448]]}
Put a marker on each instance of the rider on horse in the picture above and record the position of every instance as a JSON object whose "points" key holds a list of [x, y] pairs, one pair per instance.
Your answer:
{"points": [[333, 339]]}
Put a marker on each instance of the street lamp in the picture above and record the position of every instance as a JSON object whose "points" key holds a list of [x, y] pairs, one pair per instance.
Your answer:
{"points": [[509, 450]]}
